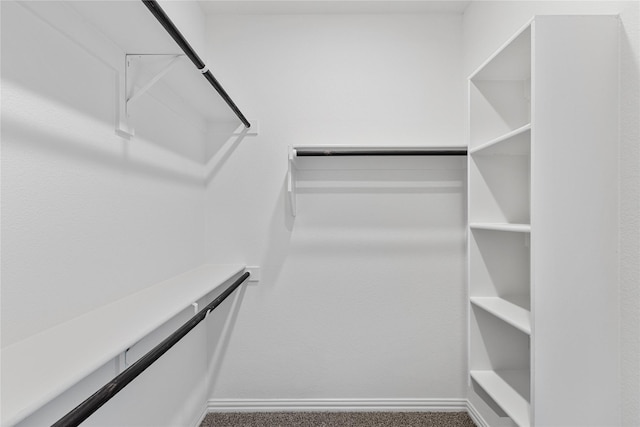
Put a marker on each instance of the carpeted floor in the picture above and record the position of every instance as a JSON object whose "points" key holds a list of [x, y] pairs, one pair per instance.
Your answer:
{"points": [[338, 419]]}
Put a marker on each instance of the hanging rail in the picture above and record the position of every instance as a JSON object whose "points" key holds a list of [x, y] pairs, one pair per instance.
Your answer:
{"points": [[109, 390], [381, 152], [173, 31]]}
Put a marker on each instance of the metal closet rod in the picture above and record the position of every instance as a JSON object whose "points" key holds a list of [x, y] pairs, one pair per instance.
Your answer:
{"points": [[382, 152], [109, 390], [173, 31]]}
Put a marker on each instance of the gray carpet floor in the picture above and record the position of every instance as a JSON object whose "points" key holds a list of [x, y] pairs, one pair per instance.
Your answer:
{"points": [[338, 419]]}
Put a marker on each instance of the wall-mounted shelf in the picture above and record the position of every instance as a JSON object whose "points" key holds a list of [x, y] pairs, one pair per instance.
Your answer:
{"points": [[155, 64], [39, 368], [319, 151]]}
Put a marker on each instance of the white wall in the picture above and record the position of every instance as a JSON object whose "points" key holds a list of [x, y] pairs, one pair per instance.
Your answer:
{"points": [[87, 216], [487, 24], [188, 17], [362, 293]]}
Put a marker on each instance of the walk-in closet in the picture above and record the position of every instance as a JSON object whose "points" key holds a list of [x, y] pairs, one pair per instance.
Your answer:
{"points": [[320, 213]]}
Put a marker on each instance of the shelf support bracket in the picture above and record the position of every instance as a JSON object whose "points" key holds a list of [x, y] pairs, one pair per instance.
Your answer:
{"points": [[127, 93], [123, 127], [291, 180], [131, 59]]}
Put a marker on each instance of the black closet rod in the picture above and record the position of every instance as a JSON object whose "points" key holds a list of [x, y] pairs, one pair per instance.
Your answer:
{"points": [[416, 152], [173, 31], [102, 396]]}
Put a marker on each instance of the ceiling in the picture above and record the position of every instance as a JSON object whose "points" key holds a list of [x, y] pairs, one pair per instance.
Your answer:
{"points": [[271, 7]]}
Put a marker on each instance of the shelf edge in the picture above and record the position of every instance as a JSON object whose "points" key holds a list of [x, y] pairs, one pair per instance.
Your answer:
{"points": [[505, 137], [525, 328], [501, 226]]}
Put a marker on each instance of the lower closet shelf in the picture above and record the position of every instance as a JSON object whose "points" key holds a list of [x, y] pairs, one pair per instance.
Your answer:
{"points": [[39, 368], [511, 313], [503, 388]]}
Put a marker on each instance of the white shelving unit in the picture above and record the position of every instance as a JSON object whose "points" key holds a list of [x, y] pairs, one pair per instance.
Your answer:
{"points": [[41, 367], [543, 224]]}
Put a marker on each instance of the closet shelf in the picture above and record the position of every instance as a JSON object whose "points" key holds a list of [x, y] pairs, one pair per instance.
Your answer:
{"points": [[501, 226], [511, 313], [155, 63], [309, 152], [501, 386], [343, 150], [41, 367], [514, 143]]}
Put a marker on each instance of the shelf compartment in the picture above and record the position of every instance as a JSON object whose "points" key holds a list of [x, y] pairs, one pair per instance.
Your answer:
{"points": [[498, 226], [500, 91], [512, 61], [500, 185], [499, 264], [509, 389], [514, 143], [496, 344], [498, 108], [513, 314], [41, 367]]}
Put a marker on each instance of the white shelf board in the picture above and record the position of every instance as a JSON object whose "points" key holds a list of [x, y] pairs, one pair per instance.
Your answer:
{"points": [[511, 313], [337, 147], [392, 162], [183, 84], [360, 148], [504, 394], [516, 142], [501, 226], [41, 367]]}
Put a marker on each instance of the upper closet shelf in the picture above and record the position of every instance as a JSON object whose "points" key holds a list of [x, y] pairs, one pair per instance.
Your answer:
{"points": [[158, 61], [41, 367], [303, 151], [342, 150]]}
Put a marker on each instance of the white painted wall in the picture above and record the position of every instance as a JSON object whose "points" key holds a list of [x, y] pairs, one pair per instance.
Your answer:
{"points": [[89, 217], [188, 17], [487, 24], [362, 293]]}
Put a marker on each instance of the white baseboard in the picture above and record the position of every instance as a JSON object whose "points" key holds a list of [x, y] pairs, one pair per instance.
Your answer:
{"points": [[200, 419], [338, 405], [475, 416]]}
